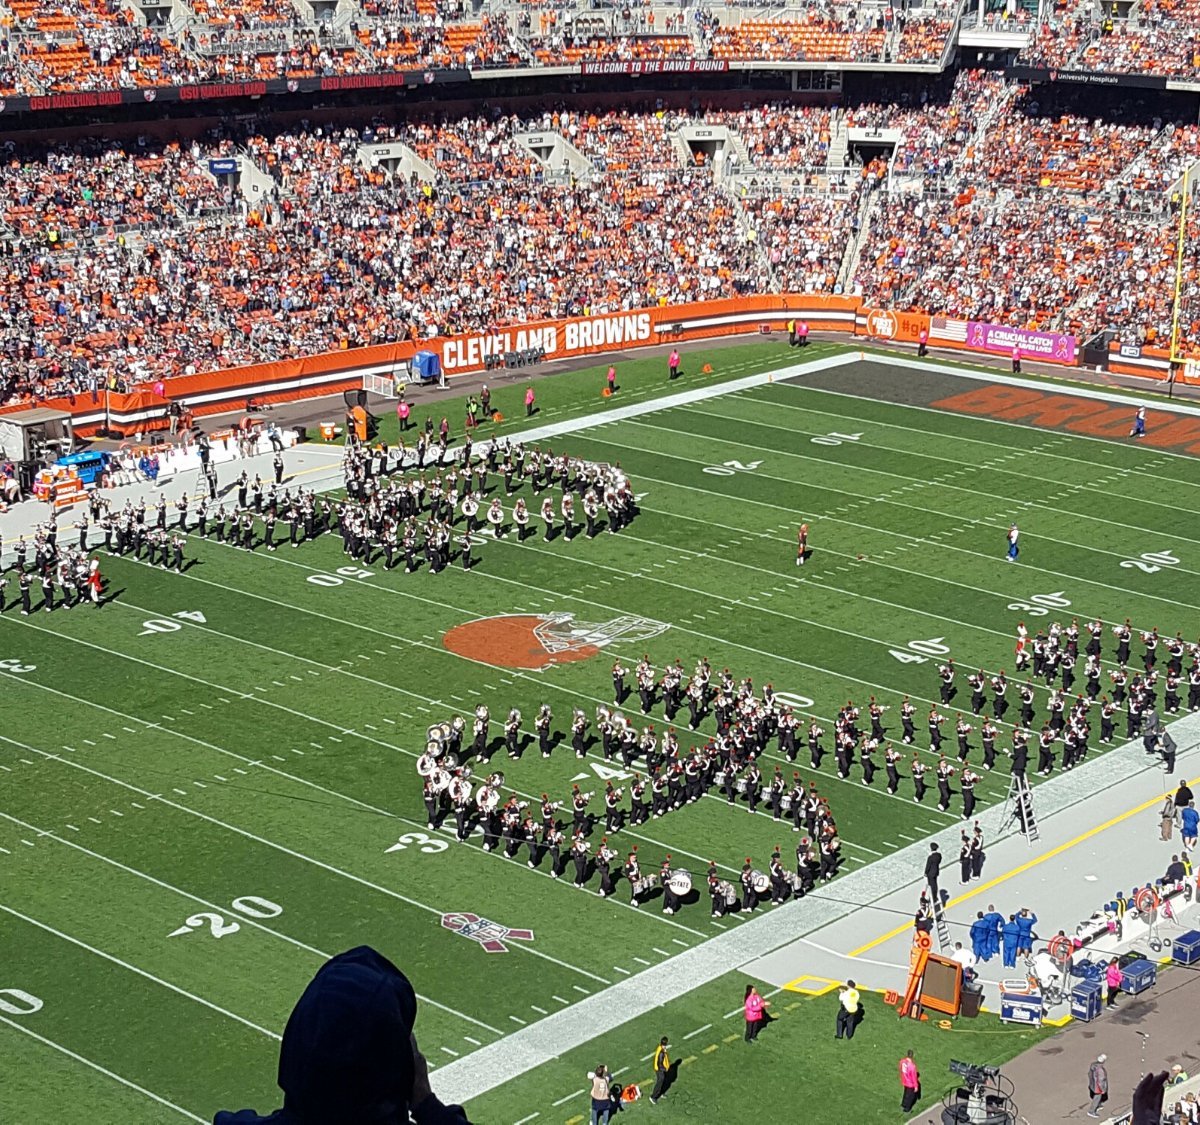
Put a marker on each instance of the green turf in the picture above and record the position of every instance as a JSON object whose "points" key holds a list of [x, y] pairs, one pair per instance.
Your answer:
{"points": [[796, 1069], [267, 751]]}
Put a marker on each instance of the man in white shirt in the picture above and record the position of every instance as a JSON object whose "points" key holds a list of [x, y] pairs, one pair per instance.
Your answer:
{"points": [[966, 959]]}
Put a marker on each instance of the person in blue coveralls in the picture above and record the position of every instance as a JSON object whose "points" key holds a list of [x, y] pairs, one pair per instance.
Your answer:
{"points": [[994, 920], [1025, 924], [1011, 932], [980, 945]]}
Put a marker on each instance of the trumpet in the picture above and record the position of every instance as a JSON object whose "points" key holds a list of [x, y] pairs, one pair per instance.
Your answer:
{"points": [[552, 806]]}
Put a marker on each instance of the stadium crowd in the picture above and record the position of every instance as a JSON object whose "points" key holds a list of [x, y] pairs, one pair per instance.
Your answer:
{"points": [[132, 261]]}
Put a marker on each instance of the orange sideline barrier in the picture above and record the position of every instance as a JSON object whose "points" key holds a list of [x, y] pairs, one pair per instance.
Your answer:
{"points": [[334, 372], [1147, 361]]}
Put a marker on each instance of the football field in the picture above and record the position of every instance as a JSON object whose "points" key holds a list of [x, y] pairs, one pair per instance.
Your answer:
{"points": [[209, 786]]}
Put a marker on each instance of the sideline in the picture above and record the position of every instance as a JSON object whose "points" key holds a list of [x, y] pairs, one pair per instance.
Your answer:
{"points": [[1020, 869]]}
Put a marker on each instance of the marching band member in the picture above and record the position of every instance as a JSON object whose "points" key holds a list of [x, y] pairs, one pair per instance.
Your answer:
{"points": [[495, 516], [944, 772], [552, 842], [579, 804], [542, 725], [512, 733], [671, 900], [604, 857], [891, 760], [579, 857], [962, 730], [579, 726], [749, 894], [968, 781], [918, 775], [612, 809]]}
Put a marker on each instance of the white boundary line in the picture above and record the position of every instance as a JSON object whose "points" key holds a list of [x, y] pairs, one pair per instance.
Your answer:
{"points": [[102, 1070]]}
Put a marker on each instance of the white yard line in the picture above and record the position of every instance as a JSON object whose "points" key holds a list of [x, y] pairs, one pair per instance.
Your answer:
{"points": [[1024, 453], [103, 1070], [888, 497], [280, 847], [141, 973]]}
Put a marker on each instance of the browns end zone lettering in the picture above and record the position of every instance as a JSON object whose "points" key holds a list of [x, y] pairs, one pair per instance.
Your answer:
{"points": [[77, 101], [657, 66], [223, 90]]}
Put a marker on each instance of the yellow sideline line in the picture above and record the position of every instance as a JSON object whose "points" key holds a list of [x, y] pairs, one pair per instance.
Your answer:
{"points": [[1022, 868]]}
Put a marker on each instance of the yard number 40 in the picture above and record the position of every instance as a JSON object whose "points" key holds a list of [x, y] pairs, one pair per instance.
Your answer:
{"points": [[920, 651]]}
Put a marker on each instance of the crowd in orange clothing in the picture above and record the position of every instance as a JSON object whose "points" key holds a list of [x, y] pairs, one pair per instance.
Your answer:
{"points": [[133, 260], [1153, 37]]}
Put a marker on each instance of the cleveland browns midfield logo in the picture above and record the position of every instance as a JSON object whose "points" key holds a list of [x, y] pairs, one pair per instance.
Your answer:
{"points": [[540, 640]]}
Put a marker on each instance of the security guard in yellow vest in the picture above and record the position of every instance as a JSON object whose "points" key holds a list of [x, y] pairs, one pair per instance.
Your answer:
{"points": [[662, 1070]]}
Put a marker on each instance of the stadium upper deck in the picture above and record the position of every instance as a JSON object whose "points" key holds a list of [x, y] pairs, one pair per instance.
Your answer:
{"points": [[103, 46]]}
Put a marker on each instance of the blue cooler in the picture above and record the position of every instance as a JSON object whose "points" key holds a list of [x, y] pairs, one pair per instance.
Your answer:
{"points": [[1139, 976], [1021, 1007], [1087, 1000], [1185, 949]]}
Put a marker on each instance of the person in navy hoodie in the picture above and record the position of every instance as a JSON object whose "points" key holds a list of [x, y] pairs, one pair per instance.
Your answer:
{"points": [[349, 1056]]}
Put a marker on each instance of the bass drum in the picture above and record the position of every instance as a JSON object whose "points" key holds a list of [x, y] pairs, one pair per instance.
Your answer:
{"points": [[680, 881], [760, 881]]}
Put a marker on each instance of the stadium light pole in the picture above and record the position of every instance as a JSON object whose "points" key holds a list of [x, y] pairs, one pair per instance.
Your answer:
{"points": [[1183, 210]]}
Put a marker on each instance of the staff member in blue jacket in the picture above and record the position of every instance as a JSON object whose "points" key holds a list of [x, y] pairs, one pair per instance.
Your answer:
{"points": [[995, 921], [1011, 933], [1025, 923], [980, 945]]}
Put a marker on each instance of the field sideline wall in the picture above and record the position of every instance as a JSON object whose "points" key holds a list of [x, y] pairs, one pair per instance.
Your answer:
{"points": [[334, 372]]}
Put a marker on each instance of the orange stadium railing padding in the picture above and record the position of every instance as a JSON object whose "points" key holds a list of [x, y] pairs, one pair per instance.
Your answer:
{"points": [[334, 372]]}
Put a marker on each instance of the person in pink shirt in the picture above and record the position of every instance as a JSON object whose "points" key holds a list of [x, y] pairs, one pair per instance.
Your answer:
{"points": [[402, 412], [1114, 978], [673, 364], [910, 1083], [1016, 361], [612, 379], [529, 401], [755, 1008]]}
